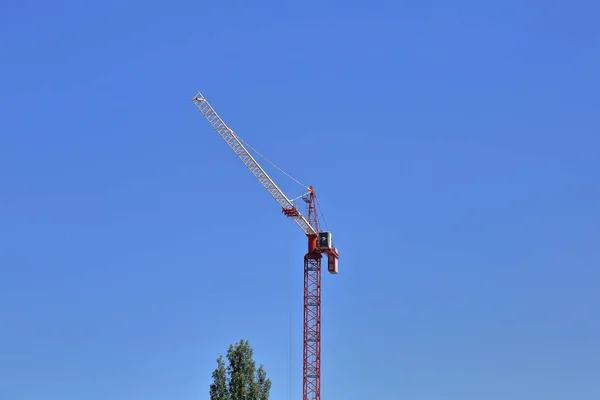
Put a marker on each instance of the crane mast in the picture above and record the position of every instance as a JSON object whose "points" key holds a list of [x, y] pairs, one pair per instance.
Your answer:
{"points": [[319, 244]]}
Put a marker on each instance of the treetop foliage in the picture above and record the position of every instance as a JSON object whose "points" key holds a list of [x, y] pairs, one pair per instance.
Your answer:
{"points": [[239, 379]]}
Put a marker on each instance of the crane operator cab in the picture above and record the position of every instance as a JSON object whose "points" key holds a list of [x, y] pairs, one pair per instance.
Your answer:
{"points": [[325, 245]]}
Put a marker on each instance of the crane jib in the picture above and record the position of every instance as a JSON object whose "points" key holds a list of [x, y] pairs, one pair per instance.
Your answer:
{"points": [[259, 173]]}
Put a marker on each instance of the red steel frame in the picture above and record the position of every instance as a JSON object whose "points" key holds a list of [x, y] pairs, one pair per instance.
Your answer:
{"points": [[311, 377], [311, 389]]}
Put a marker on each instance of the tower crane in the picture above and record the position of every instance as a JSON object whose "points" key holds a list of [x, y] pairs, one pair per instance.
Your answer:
{"points": [[319, 244]]}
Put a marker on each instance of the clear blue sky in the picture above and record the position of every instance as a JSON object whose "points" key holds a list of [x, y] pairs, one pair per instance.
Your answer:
{"points": [[453, 146]]}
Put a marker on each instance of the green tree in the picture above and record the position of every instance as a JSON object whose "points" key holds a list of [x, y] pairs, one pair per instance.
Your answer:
{"points": [[218, 389], [239, 379]]}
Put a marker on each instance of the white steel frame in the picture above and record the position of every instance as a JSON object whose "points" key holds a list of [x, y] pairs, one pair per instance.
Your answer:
{"points": [[238, 148]]}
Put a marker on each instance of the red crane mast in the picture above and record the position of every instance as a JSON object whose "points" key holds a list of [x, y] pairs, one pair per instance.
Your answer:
{"points": [[319, 244]]}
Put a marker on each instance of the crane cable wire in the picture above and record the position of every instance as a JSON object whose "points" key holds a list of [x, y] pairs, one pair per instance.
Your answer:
{"points": [[322, 216], [270, 162], [285, 173]]}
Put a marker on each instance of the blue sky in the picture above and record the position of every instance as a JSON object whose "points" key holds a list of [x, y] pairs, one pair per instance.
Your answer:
{"points": [[453, 146]]}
